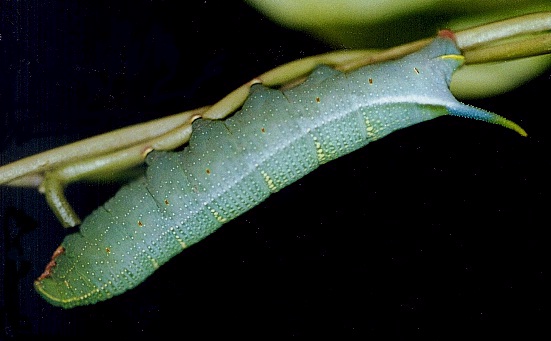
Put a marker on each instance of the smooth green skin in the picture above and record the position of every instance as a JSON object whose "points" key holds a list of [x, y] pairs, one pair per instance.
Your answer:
{"points": [[230, 166]]}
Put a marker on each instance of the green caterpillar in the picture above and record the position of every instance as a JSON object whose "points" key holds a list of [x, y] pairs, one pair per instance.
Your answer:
{"points": [[232, 165]]}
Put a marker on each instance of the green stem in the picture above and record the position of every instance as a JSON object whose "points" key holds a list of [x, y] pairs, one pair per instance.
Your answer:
{"points": [[492, 32]]}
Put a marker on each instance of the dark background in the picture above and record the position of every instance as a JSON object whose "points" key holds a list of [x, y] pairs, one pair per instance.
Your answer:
{"points": [[437, 231]]}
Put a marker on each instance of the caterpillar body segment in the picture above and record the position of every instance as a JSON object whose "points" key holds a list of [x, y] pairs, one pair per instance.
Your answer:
{"points": [[232, 165]]}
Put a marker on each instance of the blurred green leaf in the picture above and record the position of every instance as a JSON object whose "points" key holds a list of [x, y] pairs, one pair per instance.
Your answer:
{"points": [[387, 23]]}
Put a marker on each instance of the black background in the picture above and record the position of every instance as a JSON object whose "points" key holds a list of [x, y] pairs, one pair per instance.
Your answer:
{"points": [[437, 231]]}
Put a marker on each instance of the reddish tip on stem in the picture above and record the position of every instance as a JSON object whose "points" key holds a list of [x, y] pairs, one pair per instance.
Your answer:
{"points": [[447, 34]]}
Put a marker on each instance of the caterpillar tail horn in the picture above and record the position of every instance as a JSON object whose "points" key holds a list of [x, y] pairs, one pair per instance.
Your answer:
{"points": [[467, 111]]}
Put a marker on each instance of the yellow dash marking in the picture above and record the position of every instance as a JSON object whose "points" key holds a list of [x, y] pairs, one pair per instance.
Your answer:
{"points": [[178, 239], [371, 132], [453, 56], [182, 243], [218, 216], [155, 264], [269, 181], [319, 150]]}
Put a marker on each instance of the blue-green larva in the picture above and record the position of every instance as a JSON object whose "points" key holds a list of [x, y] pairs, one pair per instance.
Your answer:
{"points": [[232, 165]]}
